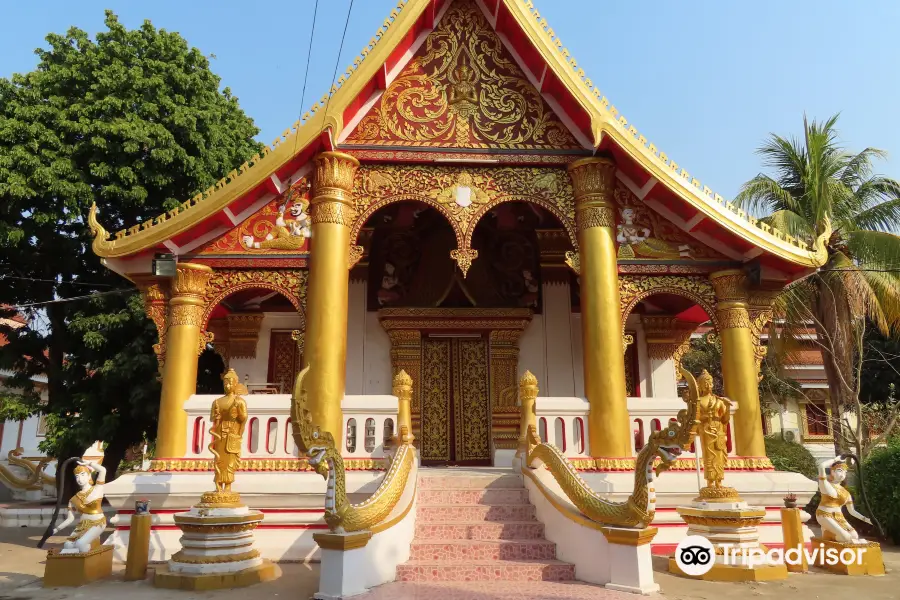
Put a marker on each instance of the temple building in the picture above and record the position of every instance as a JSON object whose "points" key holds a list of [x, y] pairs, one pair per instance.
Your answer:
{"points": [[464, 205]]}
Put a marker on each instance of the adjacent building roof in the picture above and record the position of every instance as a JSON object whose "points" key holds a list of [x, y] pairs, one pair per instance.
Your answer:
{"points": [[540, 53]]}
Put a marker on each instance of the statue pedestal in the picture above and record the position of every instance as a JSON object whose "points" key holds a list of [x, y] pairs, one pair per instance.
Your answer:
{"points": [[630, 560], [731, 526], [73, 570], [848, 559], [216, 549], [343, 562]]}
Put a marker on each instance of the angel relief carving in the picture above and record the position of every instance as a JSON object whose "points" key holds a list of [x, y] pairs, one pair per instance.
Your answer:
{"points": [[282, 226], [287, 234]]}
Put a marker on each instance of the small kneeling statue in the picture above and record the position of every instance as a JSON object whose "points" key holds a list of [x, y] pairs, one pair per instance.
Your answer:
{"points": [[834, 497], [87, 502]]}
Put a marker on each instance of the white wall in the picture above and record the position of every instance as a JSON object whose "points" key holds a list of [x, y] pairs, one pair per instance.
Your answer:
{"points": [[356, 337], [557, 321], [531, 350]]}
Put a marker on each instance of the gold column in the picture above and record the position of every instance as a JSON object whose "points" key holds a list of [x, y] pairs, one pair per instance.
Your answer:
{"points": [[593, 180], [325, 340], [528, 391], [739, 370], [403, 390], [182, 346]]}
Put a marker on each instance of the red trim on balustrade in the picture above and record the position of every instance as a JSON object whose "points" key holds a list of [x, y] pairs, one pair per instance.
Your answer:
{"points": [[261, 526], [172, 511]]}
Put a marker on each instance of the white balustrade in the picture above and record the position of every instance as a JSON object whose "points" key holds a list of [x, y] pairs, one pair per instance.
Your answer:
{"points": [[268, 434], [563, 422]]}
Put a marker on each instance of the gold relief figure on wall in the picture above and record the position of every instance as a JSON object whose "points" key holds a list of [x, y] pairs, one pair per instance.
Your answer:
{"points": [[635, 241], [288, 234], [228, 416]]}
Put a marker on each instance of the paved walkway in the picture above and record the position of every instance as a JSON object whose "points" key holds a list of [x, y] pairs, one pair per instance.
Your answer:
{"points": [[22, 566]]}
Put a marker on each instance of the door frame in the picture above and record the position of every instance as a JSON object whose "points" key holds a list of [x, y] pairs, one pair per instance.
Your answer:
{"points": [[502, 327]]}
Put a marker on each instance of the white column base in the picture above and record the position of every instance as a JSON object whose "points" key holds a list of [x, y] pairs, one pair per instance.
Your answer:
{"points": [[341, 574], [630, 560]]}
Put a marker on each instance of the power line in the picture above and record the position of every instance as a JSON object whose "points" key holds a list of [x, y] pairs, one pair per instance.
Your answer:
{"points": [[73, 298], [312, 33], [56, 281], [338, 61]]}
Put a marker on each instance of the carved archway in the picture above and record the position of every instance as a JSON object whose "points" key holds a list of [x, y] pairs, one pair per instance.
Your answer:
{"points": [[635, 288], [463, 195], [290, 283]]}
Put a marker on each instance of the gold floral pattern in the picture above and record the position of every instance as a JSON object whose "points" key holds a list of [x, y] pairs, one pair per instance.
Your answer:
{"points": [[435, 438], [464, 90], [376, 186]]}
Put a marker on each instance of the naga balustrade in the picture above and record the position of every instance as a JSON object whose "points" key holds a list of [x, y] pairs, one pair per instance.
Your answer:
{"points": [[368, 422], [563, 422]]}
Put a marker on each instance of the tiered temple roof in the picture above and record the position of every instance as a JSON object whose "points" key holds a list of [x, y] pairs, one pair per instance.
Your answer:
{"points": [[590, 118]]}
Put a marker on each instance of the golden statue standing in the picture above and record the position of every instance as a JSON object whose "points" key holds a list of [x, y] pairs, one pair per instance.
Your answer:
{"points": [[714, 413], [228, 415]]}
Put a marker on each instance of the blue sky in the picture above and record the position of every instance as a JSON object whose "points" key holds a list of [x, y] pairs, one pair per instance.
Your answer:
{"points": [[705, 80]]}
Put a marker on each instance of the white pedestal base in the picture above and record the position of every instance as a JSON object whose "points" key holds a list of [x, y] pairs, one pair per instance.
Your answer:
{"points": [[630, 560], [343, 563], [216, 550]]}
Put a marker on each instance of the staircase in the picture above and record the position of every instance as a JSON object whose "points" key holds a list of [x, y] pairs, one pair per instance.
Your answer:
{"points": [[477, 525]]}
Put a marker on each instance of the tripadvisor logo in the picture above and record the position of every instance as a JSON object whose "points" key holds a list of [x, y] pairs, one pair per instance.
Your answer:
{"points": [[695, 556]]}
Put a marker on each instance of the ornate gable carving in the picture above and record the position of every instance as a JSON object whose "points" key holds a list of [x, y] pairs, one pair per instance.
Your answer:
{"points": [[463, 90]]}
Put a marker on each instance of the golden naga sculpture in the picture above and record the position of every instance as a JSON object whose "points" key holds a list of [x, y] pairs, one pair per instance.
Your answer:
{"points": [[36, 478], [87, 502], [638, 511], [713, 414], [228, 416], [835, 496], [325, 457]]}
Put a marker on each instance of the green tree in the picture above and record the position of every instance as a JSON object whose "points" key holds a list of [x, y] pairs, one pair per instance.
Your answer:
{"points": [[820, 191], [134, 121], [773, 385], [880, 368]]}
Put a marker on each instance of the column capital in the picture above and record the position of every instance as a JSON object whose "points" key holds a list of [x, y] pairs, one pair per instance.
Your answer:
{"points": [[731, 285], [191, 280], [332, 201], [593, 177]]}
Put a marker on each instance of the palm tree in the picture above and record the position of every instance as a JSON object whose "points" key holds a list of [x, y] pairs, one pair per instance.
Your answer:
{"points": [[819, 187]]}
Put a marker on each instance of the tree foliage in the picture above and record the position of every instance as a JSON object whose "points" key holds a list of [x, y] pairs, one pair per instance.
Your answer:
{"points": [[820, 191], [773, 385], [134, 121]]}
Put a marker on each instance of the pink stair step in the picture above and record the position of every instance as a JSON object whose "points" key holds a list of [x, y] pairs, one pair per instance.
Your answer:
{"points": [[509, 530], [486, 570], [446, 482], [479, 550], [432, 513], [474, 496]]}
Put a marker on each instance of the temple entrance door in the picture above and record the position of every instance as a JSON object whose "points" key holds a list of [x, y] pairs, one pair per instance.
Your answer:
{"points": [[456, 408]]}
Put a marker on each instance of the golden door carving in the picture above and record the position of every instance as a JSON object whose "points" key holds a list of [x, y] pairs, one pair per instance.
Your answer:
{"points": [[284, 360], [456, 415]]}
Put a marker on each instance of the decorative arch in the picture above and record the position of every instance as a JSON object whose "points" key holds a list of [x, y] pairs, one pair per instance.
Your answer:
{"points": [[635, 288], [290, 283], [567, 223], [371, 209], [378, 185]]}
